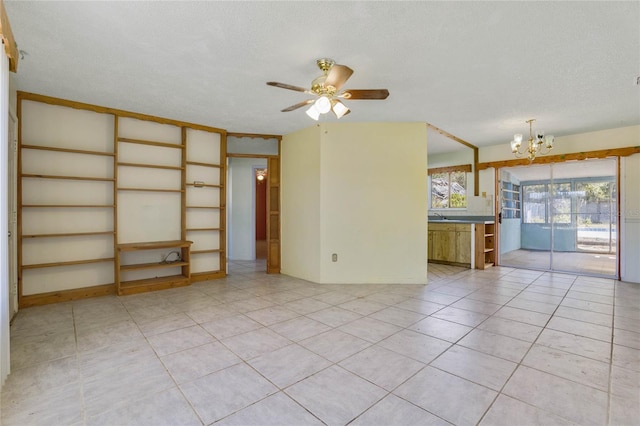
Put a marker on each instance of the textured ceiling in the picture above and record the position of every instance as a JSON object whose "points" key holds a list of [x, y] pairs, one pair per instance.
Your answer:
{"points": [[475, 69]]}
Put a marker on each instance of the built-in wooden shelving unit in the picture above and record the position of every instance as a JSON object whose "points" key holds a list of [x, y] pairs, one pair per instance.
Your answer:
{"points": [[124, 287], [204, 209], [65, 203], [485, 245], [101, 192]]}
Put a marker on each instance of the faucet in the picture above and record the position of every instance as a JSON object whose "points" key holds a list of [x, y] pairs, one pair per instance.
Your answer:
{"points": [[438, 214]]}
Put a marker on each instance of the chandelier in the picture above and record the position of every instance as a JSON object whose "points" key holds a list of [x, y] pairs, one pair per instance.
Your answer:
{"points": [[535, 145]]}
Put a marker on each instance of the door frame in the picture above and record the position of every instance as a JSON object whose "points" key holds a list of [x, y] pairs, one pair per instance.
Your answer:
{"points": [[12, 205], [273, 207], [552, 164]]}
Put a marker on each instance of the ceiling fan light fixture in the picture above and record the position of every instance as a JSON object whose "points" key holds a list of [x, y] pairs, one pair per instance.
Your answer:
{"points": [[323, 105], [339, 109], [326, 90], [313, 112]]}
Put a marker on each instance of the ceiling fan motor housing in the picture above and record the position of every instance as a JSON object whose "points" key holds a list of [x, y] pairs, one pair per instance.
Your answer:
{"points": [[317, 85], [327, 87]]}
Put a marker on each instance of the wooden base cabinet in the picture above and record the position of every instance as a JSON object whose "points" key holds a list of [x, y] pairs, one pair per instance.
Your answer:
{"points": [[450, 243], [463, 244], [444, 242]]}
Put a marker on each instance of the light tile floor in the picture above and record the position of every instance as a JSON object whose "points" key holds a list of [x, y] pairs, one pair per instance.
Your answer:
{"points": [[591, 263], [496, 347]]}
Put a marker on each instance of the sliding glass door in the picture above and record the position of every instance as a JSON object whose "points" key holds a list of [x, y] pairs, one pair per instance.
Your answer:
{"points": [[560, 217]]}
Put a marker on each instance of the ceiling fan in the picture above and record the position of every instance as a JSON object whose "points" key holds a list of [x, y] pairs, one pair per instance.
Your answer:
{"points": [[327, 87]]}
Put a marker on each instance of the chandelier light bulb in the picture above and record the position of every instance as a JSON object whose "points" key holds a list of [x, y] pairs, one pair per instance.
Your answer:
{"points": [[549, 139], [518, 138]]}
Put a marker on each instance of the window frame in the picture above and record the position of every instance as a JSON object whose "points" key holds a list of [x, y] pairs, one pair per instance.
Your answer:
{"points": [[465, 169], [511, 200]]}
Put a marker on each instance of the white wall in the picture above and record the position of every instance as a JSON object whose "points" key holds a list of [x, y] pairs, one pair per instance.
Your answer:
{"points": [[4, 220], [357, 190], [248, 145], [300, 204], [242, 220], [592, 141]]}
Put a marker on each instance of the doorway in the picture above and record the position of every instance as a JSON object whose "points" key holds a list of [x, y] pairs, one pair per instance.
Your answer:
{"points": [[560, 217], [243, 194]]}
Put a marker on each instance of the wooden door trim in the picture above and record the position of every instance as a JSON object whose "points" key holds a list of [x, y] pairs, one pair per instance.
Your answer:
{"points": [[273, 258]]}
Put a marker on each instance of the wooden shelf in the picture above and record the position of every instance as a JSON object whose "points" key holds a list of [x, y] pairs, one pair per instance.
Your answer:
{"points": [[150, 190], [156, 283], [69, 234], [29, 175], [157, 265], [152, 284], [152, 245], [69, 150], [151, 166], [151, 143], [206, 251], [67, 263], [205, 185], [195, 163], [43, 206]]}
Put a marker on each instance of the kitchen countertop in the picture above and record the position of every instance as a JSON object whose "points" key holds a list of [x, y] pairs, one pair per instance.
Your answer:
{"points": [[460, 221]]}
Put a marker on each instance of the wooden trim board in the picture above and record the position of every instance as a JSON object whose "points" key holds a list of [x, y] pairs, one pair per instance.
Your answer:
{"points": [[603, 153]]}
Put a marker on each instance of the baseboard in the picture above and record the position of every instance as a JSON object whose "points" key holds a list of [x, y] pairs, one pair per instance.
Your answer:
{"points": [[66, 295], [205, 276]]}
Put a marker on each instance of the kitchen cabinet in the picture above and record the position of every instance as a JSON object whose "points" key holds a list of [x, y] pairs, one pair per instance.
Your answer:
{"points": [[463, 243], [450, 243]]}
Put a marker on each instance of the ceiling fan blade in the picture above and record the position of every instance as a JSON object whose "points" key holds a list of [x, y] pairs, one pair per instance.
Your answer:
{"points": [[354, 94], [338, 75], [286, 86], [298, 105]]}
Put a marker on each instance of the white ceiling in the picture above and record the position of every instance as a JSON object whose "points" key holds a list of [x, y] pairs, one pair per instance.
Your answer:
{"points": [[477, 70]]}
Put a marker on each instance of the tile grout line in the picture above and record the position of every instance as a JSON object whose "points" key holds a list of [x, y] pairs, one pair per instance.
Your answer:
{"points": [[519, 363]]}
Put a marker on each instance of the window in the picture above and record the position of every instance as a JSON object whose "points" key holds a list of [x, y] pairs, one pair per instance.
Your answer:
{"points": [[534, 209], [539, 205], [510, 201], [561, 205], [448, 190]]}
